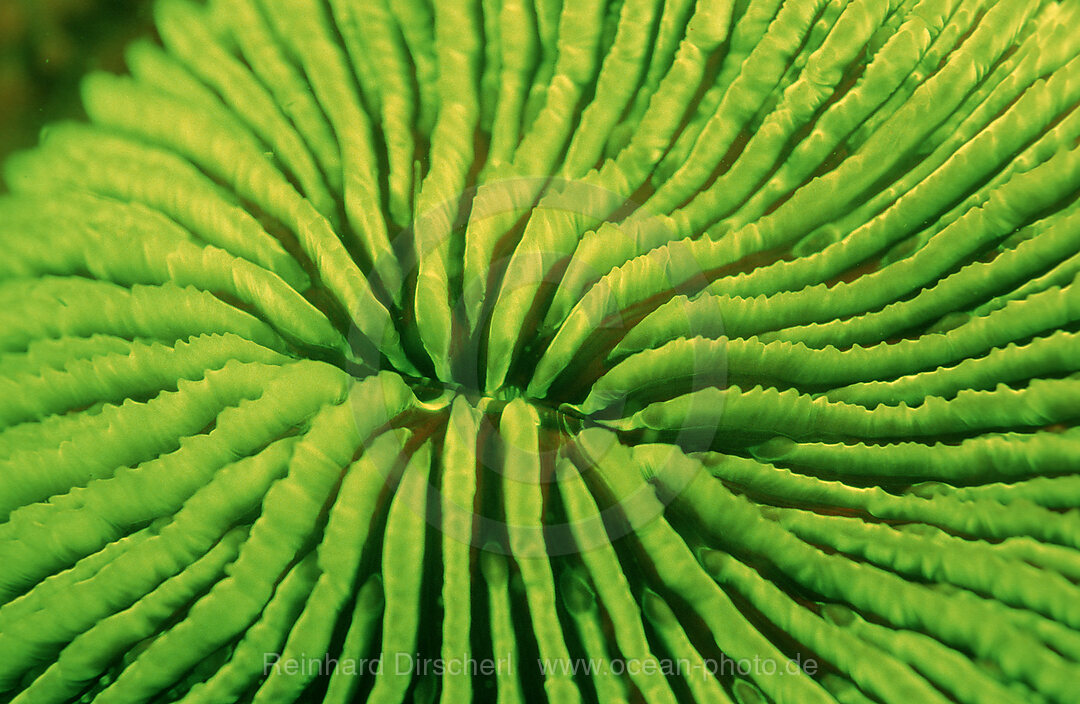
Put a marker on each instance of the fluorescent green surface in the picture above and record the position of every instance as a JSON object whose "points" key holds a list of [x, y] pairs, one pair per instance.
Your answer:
{"points": [[539, 351]]}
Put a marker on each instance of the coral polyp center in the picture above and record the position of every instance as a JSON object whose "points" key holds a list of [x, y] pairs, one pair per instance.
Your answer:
{"points": [[507, 351]]}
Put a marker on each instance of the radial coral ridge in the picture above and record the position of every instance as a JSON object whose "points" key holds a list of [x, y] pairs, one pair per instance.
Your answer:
{"points": [[631, 351]]}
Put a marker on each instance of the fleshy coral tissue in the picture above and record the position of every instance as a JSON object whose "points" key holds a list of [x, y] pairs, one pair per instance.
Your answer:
{"points": [[528, 350]]}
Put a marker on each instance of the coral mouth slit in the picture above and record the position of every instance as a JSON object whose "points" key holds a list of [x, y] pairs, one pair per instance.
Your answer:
{"points": [[505, 351]]}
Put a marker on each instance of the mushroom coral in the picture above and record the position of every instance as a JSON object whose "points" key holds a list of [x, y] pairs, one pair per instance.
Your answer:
{"points": [[518, 351]]}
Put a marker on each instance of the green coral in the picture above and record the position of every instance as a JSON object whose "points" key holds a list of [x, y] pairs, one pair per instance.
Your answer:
{"points": [[466, 350]]}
